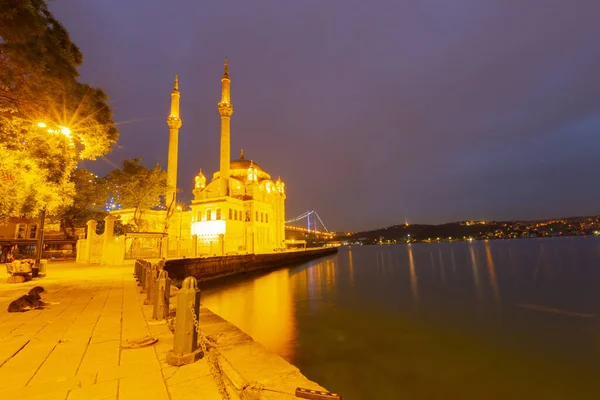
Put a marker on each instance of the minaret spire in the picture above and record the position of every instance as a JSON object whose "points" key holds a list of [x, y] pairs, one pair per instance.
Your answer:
{"points": [[174, 122], [226, 110]]}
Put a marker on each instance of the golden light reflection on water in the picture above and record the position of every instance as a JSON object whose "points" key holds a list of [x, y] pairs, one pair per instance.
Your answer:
{"points": [[267, 298], [442, 267], [330, 273], [492, 272], [475, 268], [351, 268], [414, 286]]}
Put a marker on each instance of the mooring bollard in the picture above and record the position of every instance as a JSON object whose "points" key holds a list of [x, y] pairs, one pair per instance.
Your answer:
{"points": [[162, 291], [144, 280], [147, 278], [151, 278], [135, 266], [142, 275], [140, 271], [185, 343], [138, 266]]}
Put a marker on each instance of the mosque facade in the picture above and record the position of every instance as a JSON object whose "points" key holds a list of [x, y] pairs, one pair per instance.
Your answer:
{"points": [[241, 209]]}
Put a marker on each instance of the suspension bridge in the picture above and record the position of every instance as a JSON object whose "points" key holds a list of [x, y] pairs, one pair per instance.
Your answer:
{"points": [[308, 222]]}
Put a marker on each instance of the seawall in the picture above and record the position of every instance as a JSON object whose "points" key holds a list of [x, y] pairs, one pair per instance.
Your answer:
{"points": [[209, 268]]}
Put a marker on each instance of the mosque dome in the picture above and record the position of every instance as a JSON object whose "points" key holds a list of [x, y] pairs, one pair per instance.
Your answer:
{"points": [[244, 164]]}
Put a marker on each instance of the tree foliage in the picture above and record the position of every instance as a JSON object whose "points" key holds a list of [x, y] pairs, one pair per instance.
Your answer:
{"points": [[138, 187], [91, 193], [39, 83]]}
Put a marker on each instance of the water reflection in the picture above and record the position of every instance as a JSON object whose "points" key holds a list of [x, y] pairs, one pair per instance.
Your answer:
{"points": [[263, 307], [330, 274], [475, 268], [344, 338], [492, 272], [453, 262], [413, 275], [443, 269], [351, 266]]}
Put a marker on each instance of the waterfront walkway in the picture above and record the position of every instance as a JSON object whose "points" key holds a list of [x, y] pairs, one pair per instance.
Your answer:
{"points": [[73, 350]]}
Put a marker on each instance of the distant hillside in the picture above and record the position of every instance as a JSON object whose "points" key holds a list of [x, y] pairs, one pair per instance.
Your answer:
{"points": [[481, 230]]}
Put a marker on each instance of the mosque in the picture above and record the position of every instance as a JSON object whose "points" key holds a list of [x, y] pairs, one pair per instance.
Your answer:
{"points": [[241, 210]]}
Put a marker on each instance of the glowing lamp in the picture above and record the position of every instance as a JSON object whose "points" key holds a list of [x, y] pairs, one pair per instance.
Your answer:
{"points": [[213, 227], [65, 131], [41, 124]]}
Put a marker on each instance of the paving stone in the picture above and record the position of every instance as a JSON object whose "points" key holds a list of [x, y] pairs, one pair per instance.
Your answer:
{"points": [[204, 387], [100, 391], [148, 386], [74, 349]]}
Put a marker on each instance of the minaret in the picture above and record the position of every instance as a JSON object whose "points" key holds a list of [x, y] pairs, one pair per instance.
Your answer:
{"points": [[225, 109], [174, 123]]}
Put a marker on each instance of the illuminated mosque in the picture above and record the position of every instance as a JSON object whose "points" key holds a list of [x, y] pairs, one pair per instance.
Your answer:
{"points": [[241, 210]]}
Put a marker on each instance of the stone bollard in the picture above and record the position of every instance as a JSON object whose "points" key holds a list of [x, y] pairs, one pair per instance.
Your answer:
{"points": [[140, 270], [162, 292], [147, 278], [150, 283], [138, 273], [144, 279], [185, 343], [135, 267]]}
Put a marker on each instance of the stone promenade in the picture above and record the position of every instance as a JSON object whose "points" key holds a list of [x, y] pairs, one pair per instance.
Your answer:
{"points": [[73, 351]]}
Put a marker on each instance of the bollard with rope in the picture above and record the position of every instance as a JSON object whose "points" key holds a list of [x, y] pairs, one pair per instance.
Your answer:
{"points": [[162, 292], [185, 343]]}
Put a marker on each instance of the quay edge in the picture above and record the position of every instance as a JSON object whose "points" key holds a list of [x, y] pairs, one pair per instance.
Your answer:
{"points": [[209, 268]]}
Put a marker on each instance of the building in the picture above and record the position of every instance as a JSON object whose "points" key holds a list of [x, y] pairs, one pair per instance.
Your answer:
{"points": [[241, 210], [19, 236]]}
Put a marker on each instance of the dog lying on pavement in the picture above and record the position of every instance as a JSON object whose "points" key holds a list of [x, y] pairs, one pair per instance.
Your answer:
{"points": [[30, 301]]}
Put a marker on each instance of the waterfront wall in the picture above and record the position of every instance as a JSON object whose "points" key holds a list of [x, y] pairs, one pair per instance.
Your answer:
{"points": [[208, 268]]}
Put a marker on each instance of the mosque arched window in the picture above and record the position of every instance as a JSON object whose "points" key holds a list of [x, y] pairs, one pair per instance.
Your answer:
{"points": [[218, 213], [230, 213], [267, 218], [199, 216], [208, 215]]}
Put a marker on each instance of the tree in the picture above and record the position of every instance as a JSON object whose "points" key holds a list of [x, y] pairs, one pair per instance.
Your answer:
{"points": [[89, 202], [138, 187], [48, 119]]}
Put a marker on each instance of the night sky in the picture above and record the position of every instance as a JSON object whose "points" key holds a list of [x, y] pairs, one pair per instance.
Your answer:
{"points": [[373, 112]]}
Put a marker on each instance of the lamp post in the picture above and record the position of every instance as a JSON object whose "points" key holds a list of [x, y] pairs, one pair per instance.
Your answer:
{"points": [[40, 240], [179, 237]]}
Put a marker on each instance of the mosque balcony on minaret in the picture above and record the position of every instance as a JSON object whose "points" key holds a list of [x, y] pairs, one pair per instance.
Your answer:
{"points": [[174, 122], [225, 109]]}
